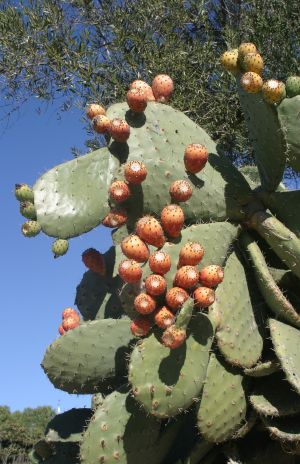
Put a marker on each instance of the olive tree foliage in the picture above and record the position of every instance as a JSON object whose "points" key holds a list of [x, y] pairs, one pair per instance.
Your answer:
{"points": [[79, 51]]}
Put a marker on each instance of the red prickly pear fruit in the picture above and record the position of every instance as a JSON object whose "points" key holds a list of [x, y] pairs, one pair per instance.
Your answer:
{"points": [[61, 330], [246, 47], [140, 327], [101, 123], [173, 337], [204, 297], [175, 297], [191, 254], [70, 323], [172, 219], [251, 82], [115, 218], [94, 109], [252, 62], [160, 262], [149, 229], [229, 60], [155, 284], [164, 318], [94, 261], [119, 130], [273, 91], [162, 87], [134, 248], [195, 157], [135, 172], [144, 304], [211, 276], [137, 100], [181, 190], [119, 191], [141, 85], [70, 312], [186, 277], [130, 271]]}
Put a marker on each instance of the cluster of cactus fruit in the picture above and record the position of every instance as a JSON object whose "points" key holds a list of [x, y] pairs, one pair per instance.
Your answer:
{"points": [[190, 344]]}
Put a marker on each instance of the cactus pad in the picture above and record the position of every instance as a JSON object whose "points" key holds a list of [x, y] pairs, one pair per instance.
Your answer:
{"points": [[288, 112], [286, 429]]}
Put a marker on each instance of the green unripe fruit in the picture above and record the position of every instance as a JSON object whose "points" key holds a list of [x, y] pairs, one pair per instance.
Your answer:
{"points": [[31, 228], [24, 193], [292, 86], [60, 247], [27, 209]]}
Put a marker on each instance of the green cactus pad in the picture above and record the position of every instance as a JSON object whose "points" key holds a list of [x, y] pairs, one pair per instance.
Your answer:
{"points": [[250, 421], [165, 381], [285, 429], [223, 404], [272, 396], [121, 432], [286, 342], [68, 426], [266, 135], [288, 113], [158, 138], [89, 358], [237, 333], [72, 198], [251, 174], [263, 369], [272, 294]]}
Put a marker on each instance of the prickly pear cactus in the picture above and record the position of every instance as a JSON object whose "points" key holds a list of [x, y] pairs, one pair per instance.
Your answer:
{"points": [[190, 322]]}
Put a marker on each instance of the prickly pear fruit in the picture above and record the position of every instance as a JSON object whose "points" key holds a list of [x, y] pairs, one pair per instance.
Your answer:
{"points": [[23, 192], [292, 86], [144, 304], [195, 157], [70, 312], [130, 271], [94, 261], [211, 276], [119, 191], [251, 82], [175, 297], [137, 100], [94, 109], [252, 62], [115, 218], [149, 229], [186, 277], [204, 297], [31, 228], [160, 262], [273, 91], [173, 337], [172, 219], [70, 323], [101, 123], [61, 330], [134, 248], [141, 85], [27, 209], [229, 60], [181, 190], [162, 87], [164, 318], [60, 247], [155, 284], [140, 327], [135, 172], [191, 254], [119, 130], [245, 48]]}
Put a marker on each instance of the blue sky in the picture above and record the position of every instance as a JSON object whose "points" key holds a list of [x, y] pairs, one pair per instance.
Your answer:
{"points": [[35, 288]]}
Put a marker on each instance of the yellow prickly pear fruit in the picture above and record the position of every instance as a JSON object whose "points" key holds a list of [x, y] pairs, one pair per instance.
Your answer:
{"points": [[251, 82], [246, 47], [252, 62], [273, 91], [229, 61]]}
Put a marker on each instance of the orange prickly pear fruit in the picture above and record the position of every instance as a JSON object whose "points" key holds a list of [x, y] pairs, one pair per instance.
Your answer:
{"points": [[252, 62], [181, 190], [140, 327], [130, 271], [204, 297], [175, 297], [119, 191], [94, 109], [229, 60], [101, 123], [195, 157], [144, 304], [119, 130], [173, 337], [155, 284], [191, 254], [149, 229], [141, 85], [251, 82], [115, 218], [211, 276], [273, 91], [186, 277], [160, 262], [137, 100], [135, 172], [134, 248], [162, 87], [246, 47], [164, 318]]}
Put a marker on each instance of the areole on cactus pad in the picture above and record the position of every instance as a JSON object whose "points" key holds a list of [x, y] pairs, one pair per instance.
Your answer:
{"points": [[178, 327]]}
